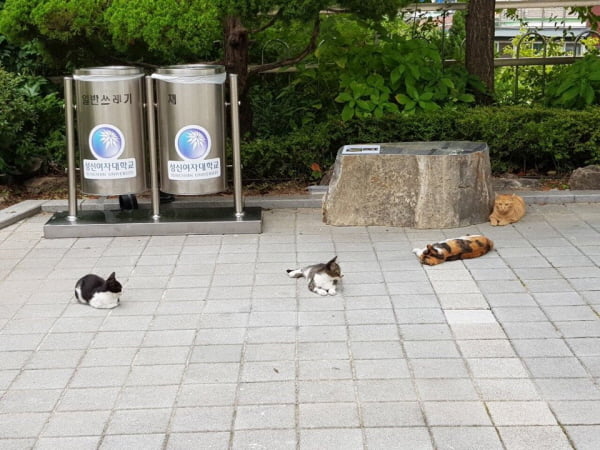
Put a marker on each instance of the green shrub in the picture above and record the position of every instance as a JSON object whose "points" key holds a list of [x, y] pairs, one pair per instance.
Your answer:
{"points": [[576, 86], [401, 75], [288, 157], [31, 125], [519, 138]]}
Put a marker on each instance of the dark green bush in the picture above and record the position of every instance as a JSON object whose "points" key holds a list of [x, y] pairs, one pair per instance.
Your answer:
{"points": [[31, 125], [520, 139]]}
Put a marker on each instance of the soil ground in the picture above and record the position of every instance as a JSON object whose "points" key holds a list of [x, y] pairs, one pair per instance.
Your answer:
{"points": [[56, 187]]}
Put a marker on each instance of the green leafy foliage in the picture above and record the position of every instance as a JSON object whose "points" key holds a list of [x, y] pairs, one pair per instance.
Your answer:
{"points": [[281, 104], [288, 157], [398, 75], [155, 31], [576, 86], [529, 81], [25, 59], [31, 125], [168, 31]]}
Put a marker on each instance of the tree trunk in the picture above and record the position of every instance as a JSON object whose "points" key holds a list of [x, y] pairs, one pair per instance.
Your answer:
{"points": [[479, 50], [237, 45]]}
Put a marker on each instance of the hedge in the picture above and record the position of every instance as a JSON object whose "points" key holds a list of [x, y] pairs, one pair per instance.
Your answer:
{"points": [[520, 139]]}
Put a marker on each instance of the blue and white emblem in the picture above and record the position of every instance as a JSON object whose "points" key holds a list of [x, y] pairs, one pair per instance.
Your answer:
{"points": [[106, 141], [192, 142]]}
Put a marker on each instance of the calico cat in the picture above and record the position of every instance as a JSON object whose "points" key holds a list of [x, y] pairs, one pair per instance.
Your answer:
{"points": [[97, 292], [507, 209], [322, 278], [452, 249]]}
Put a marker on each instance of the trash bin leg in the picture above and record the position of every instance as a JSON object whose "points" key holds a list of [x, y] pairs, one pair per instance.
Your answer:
{"points": [[70, 131], [152, 147], [235, 139]]}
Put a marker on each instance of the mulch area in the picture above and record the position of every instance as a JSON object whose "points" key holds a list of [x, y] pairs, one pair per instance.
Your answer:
{"points": [[56, 187]]}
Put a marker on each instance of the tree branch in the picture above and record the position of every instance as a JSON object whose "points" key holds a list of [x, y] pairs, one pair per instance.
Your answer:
{"points": [[311, 46], [271, 21], [126, 62]]}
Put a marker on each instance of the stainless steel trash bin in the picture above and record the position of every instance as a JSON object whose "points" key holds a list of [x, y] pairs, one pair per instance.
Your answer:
{"points": [[191, 128], [110, 127]]}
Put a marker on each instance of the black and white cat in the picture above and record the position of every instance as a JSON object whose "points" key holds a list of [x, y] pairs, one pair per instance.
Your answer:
{"points": [[97, 292], [322, 278]]}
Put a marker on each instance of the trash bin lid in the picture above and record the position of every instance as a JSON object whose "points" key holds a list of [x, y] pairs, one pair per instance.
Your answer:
{"points": [[191, 73], [108, 73]]}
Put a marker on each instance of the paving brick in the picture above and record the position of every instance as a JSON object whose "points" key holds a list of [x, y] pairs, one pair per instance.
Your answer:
{"points": [[206, 394], [431, 349], [332, 438], [568, 388], [42, 379], [280, 439], [439, 368], [577, 412], [324, 370], [534, 437], [446, 389], [456, 413], [79, 423], [406, 437], [381, 368], [145, 441], [520, 314], [586, 437], [36, 400], [392, 414], [520, 413], [155, 375], [212, 440], [466, 437], [386, 390], [497, 368], [541, 348], [139, 421], [68, 443], [88, 399], [488, 348], [507, 389], [327, 415], [555, 367], [213, 418]]}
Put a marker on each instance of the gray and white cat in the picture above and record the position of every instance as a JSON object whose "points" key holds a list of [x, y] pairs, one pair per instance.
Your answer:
{"points": [[97, 292], [322, 278]]}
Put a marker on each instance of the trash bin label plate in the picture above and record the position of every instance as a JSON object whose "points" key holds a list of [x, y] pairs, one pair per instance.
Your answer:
{"points": [[97, 169], [195, 170]]}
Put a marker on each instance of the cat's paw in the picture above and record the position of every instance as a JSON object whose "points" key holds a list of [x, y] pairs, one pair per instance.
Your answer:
{"points": [[320, 291], [331, 291], [294, 273], [104, 304]]}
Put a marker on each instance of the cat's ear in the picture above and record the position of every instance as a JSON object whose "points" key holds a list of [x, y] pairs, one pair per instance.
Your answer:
{"points": [[111, 276], [430, 249], [331, 261]]}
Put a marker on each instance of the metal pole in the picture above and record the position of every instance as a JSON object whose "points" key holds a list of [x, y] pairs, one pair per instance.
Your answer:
{"points": [[150, 116], [235, 140], [70, 132]]}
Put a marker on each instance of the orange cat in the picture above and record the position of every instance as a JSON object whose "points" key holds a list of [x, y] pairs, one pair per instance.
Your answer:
{"points": [[507, 209], [464, 247]]}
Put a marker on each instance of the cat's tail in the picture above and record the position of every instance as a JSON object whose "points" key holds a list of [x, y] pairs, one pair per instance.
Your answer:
{"points": [[79, 297], [295, 273]]}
